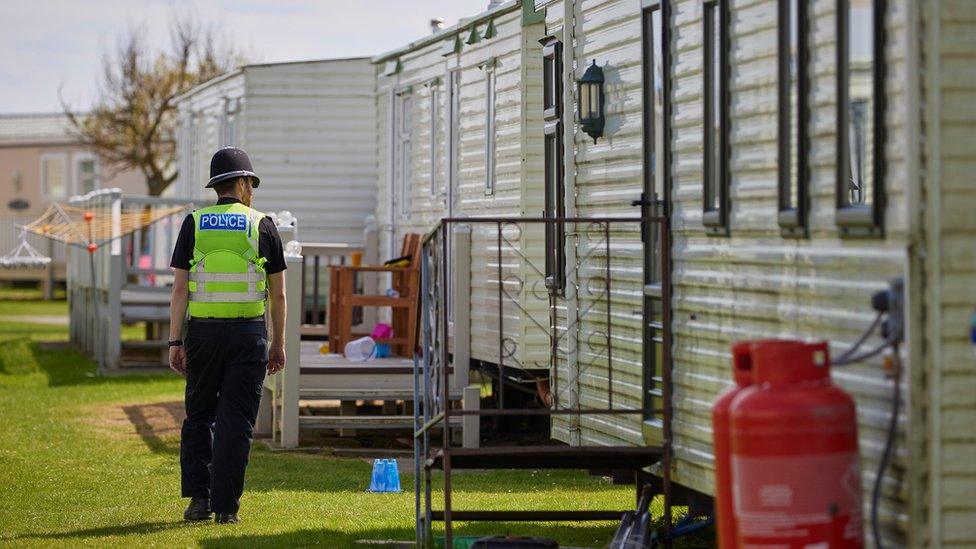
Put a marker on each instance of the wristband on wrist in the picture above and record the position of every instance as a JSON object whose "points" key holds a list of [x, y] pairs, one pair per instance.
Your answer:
{"points": [[176, 343]]}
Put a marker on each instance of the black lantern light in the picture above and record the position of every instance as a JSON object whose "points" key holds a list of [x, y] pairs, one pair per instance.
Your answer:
{"points": [[590, 88]]}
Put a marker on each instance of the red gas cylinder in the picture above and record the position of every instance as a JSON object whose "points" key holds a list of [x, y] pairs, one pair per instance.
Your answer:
{"points": [[796, 476], [742, 376]]}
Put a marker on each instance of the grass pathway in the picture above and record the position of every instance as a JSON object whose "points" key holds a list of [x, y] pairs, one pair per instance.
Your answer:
{"points": [[94, 461]]}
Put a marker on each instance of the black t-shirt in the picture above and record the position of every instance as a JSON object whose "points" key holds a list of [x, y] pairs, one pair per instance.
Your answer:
{"points": [[269, 243]]}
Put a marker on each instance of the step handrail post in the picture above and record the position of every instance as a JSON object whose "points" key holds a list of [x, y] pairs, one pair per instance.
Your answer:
{"points": [[291, 375]]}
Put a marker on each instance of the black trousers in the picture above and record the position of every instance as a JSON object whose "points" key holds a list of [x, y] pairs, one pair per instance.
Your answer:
{"points": [[226, 365]]}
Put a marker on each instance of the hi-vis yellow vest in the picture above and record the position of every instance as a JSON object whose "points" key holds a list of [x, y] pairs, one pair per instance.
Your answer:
{"points": [[227, 278]]}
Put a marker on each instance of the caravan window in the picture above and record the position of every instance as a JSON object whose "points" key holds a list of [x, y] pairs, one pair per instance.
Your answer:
{"points": [[54, 175], [715, 192], [187, 183], [490, 127], [85, 172], [228, 122], [555, 206], [860, 116], [403, 149], [653, 90], [453, 136], [793, 137], [435, 111]]}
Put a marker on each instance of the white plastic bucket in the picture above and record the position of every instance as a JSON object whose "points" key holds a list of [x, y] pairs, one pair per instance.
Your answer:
{"points": [[360, 350]]}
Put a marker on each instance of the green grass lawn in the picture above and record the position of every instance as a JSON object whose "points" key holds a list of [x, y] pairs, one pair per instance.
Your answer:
{"points": [[94, 461], [27, 292], [12, 306]]}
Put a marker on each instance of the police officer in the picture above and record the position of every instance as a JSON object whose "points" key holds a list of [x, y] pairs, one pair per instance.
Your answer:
{"points": [[229, 265]]}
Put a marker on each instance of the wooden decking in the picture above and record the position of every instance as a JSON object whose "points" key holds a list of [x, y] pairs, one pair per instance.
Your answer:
{"points": [[150, 305], [327, 378], [333, 377]]}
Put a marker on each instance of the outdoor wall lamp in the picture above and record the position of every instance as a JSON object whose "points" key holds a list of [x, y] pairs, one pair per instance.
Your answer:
{"points": [[590, 88]]}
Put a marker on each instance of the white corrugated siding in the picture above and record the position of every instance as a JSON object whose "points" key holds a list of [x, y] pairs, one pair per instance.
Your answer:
{"points": [[755, 283], [534, 349], [608, 177], [950, 265], [420, 68], [198, 133], [309, 132], [517, 184], [308, 129]]}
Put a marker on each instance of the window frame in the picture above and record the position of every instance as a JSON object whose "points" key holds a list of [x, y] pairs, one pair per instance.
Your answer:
{"points": [[653, 368], [553, 165], [793, 218], [433, 89], [63, 157], [402, 153], [184, 146], [197, 144], [856, 220], [648, 118], [453, 136], [491, 89], [716, 180], [76, 160], [228, 122]]}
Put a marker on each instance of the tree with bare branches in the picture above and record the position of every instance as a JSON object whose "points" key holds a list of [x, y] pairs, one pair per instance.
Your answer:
{"points": [[133, 121]]}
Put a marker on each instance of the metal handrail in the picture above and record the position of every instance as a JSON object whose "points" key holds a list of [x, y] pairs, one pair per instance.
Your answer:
{"points": [[433, 407], [441, 227]]}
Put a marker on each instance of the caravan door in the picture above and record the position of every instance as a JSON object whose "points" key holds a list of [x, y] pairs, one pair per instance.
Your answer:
{"points": [[655, 208]]}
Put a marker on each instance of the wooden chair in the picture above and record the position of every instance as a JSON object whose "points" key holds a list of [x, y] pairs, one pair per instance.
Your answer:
{"points": [[406, 281]]}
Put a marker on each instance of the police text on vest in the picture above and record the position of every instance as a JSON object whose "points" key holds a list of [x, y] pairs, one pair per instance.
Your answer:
{"points": [[223, 222]]}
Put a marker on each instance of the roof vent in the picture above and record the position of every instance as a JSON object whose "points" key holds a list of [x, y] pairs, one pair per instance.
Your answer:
{"points": [[436, 25], [492, 4]]}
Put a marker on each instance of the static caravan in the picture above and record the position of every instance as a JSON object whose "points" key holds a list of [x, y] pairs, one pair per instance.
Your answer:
{"points": [[456, 117], [802, 161], [308, 127]]}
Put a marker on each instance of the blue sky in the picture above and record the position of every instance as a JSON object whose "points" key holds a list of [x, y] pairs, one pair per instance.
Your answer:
{"points": [[47, 44]]}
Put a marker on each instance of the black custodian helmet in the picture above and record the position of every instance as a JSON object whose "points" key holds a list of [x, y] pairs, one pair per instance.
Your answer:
{"points": [[228, 163]]}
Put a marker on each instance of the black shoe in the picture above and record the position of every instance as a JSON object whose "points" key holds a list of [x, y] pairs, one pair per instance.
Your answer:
{"points": [[199, 509], [226, 518]]}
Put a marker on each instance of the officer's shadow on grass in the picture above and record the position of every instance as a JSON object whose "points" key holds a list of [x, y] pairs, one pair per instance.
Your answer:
{"points": [[61, 362], [158, 425]]}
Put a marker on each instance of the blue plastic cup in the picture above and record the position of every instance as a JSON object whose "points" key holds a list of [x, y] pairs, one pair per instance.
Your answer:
{"points": [[377, 481], [392, 476]]}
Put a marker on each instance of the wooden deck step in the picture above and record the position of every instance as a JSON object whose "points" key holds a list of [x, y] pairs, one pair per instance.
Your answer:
{"points": [[355, 394], [549, 457]]}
